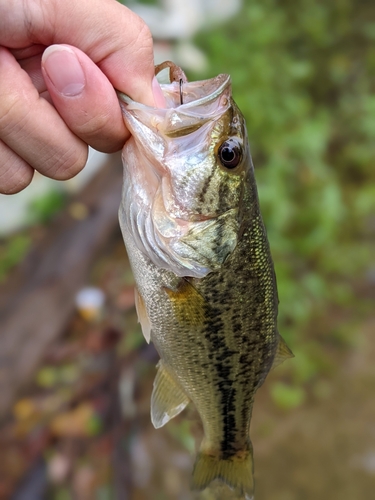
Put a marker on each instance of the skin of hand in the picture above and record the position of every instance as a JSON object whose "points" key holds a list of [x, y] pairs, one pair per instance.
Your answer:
{"points": [[59, 65]]}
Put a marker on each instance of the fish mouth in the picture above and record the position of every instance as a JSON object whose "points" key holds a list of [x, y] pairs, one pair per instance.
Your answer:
{"points": [[195, 93], [203, 101]]}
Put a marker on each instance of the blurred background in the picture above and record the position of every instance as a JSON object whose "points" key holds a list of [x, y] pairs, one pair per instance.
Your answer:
{"points": [[75, 373]]}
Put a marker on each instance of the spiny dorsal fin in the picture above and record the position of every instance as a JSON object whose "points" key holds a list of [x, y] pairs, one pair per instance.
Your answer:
{"points": [[282, 353], [142, 315], [167, 400]]}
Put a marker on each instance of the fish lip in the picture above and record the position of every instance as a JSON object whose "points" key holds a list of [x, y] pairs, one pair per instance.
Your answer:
{"points": [[223, 79]]}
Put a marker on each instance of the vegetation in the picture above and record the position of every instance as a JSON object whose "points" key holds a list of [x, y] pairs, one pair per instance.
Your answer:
{"points": [[304, 77], [44, 208], [12, 251], [14, 248]]}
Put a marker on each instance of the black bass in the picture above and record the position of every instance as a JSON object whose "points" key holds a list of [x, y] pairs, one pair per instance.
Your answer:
{"points": [[205, 284]]}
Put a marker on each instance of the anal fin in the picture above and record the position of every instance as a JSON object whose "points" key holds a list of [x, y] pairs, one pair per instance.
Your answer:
{"points": [[142, 315], [167, 400], [282, 353]]}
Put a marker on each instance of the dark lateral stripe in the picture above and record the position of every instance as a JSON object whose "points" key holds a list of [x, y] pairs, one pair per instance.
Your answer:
{"points": [[221, 356]]}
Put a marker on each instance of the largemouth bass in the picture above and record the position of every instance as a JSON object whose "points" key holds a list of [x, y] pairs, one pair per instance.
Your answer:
{"points": [[205, 284]]}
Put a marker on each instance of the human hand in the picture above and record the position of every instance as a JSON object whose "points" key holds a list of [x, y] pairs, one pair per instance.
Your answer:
{"points": [[56, 101]]}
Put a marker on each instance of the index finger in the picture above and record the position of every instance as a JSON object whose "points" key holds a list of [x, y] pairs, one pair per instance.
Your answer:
{"points": [[115, 38]]}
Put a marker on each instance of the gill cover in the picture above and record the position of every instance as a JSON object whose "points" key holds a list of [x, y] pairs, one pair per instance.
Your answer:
{"points": [[168, 163]]}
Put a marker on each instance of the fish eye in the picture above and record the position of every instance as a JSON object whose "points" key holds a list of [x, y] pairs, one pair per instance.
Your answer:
{"points": [[230, 153]]}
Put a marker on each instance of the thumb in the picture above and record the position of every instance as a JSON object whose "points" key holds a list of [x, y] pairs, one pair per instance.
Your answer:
{"points": [[84, 97]]}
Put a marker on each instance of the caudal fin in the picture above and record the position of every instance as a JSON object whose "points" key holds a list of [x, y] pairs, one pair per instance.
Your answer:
{"points": [[237, 472]]}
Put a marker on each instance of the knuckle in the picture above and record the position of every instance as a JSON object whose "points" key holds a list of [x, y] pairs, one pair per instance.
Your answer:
{"points": [[37, 16], [9, 113], [144, 43], [15, 112], [141, 39], [68, 164], [15, 178], [145, 36]]}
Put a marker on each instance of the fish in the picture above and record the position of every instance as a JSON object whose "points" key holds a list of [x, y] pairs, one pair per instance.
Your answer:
{"points": [[205, 284]]}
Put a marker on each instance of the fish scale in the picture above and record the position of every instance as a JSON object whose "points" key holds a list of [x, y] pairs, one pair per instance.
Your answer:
{"points": [[206, 288]]}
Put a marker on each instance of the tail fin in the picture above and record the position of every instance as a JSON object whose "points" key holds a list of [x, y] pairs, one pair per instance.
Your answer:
{"points": [[237, 472]]}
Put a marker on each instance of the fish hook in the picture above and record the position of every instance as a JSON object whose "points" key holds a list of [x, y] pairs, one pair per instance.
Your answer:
{"points": [[176, 74], [181, 94]]}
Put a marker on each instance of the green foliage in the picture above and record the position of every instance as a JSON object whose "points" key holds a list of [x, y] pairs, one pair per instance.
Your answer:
{"points": [[129, 3], [304, 77], [14, 248], [12, 251], [181, 431], [63, 494], [45, 207], [286, 396], [50, 376]]}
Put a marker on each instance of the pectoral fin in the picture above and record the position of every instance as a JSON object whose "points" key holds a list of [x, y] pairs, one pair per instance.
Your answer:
{"points": [[142, 316], [167, 400], [282, 353]]}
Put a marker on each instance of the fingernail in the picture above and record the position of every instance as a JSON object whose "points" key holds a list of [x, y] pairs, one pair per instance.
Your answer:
{"points": [[64, 70], [158, 94]]}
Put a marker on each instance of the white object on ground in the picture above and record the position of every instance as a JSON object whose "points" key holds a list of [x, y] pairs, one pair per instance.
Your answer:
{"points": [[89, 302]]}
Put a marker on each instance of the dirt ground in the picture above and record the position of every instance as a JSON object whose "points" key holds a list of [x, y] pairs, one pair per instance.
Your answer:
{"points": [[81, 429], [326, 448]]}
